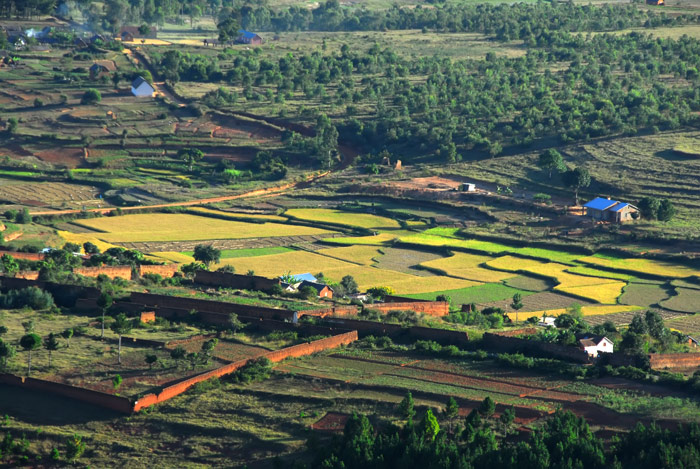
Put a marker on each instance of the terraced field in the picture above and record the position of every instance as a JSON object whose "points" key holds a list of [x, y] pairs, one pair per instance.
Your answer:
{"points": [[337, 217]]}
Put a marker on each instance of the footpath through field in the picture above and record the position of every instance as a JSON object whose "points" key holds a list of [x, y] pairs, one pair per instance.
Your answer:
{"points": [[258, 192]]}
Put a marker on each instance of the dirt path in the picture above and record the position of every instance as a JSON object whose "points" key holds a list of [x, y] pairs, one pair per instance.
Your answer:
{"points": [[258, 192]]}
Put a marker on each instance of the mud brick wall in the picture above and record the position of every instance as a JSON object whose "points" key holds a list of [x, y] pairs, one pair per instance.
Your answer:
{"points": [[109, 401], [28, 275], [207, 306], [403, 299], [27, 256], [431, 308], [517, 332], [275, 356], [501, 343], [148, 316], [659, 361], [441, 336], [365, 328], [266, 325], [165, 271], [331, 311], [119, 271], [240, 282]]}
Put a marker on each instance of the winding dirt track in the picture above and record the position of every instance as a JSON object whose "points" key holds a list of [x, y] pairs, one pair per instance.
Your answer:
{"points": [[255, 193]]}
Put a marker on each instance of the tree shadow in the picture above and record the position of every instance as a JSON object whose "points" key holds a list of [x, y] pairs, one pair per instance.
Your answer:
{"points": [[671, 155]]}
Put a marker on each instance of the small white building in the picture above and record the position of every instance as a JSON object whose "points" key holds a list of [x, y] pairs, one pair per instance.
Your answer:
{"points": [[595, 345], [468, 187], [547, 321], [141, 88]]}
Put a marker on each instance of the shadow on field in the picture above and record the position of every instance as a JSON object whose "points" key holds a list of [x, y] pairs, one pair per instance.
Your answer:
{"points": [[42, 409], [671, 155]]}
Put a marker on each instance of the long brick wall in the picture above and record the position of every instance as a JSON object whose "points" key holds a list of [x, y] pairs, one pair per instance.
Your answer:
{"points": [[331, 311], [502, 343], [659, 361], [241, 282], [109, 401], [119, 271], [432, 308], [397, 331], [27, 256], [275, 356], [165, 271], [28, 275]]}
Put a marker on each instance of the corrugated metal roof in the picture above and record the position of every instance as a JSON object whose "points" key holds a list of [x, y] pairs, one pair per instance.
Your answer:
{"points": [[599, 203], [247, 34], [619, 207]]}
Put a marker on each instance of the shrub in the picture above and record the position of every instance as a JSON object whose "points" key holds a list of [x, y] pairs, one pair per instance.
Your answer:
{"points": [[91, 96], [255, 370]]}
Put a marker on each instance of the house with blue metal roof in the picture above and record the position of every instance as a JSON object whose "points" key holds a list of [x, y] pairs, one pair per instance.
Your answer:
{"points": [[246, 37], [613, 211]]}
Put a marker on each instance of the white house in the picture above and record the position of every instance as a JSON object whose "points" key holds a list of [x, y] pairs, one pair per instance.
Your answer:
{"points": [[547, 321], [141, 88], [595, 345]]}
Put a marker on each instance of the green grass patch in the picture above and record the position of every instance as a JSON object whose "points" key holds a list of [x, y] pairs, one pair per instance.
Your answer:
{"points": [[485, 293], [534, 284], [686, 300], [644, 294]]}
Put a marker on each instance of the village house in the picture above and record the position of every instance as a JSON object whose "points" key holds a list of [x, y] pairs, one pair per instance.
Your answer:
{"points": [[593, 345], [323, 290], [307, 280], [130, 33], [102, 68], [607, 210], [141, 88], [249, 38]]}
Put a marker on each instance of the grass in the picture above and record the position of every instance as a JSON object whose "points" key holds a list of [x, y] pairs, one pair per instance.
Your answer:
{"points": [[338, 217], [183, 227], [524, 282], [235, 215], [644, 294], [485, 293], [466, 266], [381, 239], [252, 252], [686, 300], [649, 267], [360, 254]]}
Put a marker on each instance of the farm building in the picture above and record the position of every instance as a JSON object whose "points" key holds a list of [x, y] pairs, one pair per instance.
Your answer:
{"points": [[602, 209], [211, 42], [141, 88], [304, 277], [102, 68], [323, 290], [129, 33], [656, 2], [247, 37], [468, 187], [593, 345]]}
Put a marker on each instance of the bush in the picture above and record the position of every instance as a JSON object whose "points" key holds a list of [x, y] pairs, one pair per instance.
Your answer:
{"points": [[91, 96], [255, 370], [32, 297]]}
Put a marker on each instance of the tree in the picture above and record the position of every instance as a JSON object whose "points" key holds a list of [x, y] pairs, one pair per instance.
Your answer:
{"points": [[550, 161], [233, 324], [67, 334], [576, 179], [51, 344], [638, 325], [406, 410], [207, 350], [178, 354], [517, 304], [207, 254], [429, 426], [91, 96], [23, 217], [191, 156], [7, 351], [349, 284], [116, 78], [150, 360], [666, 210], [75, 447], [487, 407], [116, 382], [122, 325], [507, 418], [90, 248], [229, 27], [452, 409], [649, 207], [192, 268], [30, 342], [8, 265], [104, 301], [12, 124]]}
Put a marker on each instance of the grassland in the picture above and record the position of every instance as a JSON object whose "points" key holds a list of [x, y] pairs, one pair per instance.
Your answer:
{"points": [[338, 217], [645, 294], [593, 310], [648, 267], [485, 293], [183, 227], [466, 266], [686, 300]]}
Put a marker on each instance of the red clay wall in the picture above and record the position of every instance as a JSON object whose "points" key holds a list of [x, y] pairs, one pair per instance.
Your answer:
{"points": [[119, 404], [28, 275], [365, 328], [432, 308], [148, 316], [502, 343], [659, 361], [331, 311], [121, 271], [241, 282], [28, 256], [517, 332], [165, 271], [275, 356]]}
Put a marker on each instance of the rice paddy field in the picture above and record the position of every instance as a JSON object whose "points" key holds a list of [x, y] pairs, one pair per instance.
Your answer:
{"points": [[419, 264]]}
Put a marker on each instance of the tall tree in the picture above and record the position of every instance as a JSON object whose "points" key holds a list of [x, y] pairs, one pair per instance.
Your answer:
{"points": [[51, 344], [207, 254], [577, 179], [191, 156], [104, 301], [550, 161], [517, 304], [649, 207], [122, 325], [666, 210], [406, 409], [30, 342]]}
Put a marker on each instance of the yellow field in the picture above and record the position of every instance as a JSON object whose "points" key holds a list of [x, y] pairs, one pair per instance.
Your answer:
{"points": [[238, 215], [82, 238], [360, 220], [183, 227], [467, 266], [586, 310], [148, 42], [512, 263], [172, 256], [381, 239], [644, 266], [334, 269], [606, 293], [357, 254]]}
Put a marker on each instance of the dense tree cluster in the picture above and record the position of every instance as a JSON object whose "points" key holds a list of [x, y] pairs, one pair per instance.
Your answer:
{"points": [[26, 8], [505, 21], [564, 441]]}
